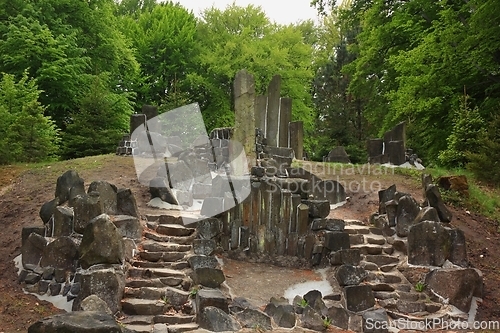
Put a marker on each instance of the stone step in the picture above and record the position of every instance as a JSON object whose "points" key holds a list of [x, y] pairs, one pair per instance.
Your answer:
{"points": [[147, 273], [384, 278], [144, 307], [169, 239], [373, 249], [156, 282], [163, 256], [173, 319], [138, 328], [137, 320], [382, 260], [164, 219], [181, 328], [153, 246], [353, 229], [174, 230], [160, 264], [375, 239], [168, 296]]}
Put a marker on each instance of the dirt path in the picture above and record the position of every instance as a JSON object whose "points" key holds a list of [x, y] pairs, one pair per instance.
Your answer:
{"points": [[23, 192]]}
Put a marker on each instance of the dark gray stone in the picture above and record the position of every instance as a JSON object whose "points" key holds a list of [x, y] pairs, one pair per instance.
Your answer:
{"points": [[318, 208], [339, 317], [216, 320], [337, 155], [407, 211], [375, 321], [68, 180], [102, 243], [208, 277], [328, 224], [282, 313], [32, 249], [62, 253], [458, 252], [86, 208], [126, 203], [314, 299], [335, 241], [456, 285], [312, 319], [202, 261], [108, 284], [211, 297], [348, 275], [107, 194], [47, 209], [204, 246], [209, 228], [77, 322], [346, 256], [94, 303], [428, 244], [159, 188], [382, 260], [396, 152], [54, 289], [128, 226], [32, 278], [63, 221], [26, 232], [253, 318], [434, 199], [359, 298], [427, 214], [384, 196]]}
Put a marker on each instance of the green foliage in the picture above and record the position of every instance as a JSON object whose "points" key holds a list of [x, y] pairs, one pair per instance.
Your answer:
{"points": [[244, 38], [303, 303], [26, 135], [468, 126], [327, 322], [484, 162], [420, 286], [163, 36], [98, 124]]}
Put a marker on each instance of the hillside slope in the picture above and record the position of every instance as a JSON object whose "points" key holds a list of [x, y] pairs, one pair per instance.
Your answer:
{"points": [[24, 189]]}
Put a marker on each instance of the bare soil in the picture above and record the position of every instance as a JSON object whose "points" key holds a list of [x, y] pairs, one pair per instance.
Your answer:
{"points": [[24, 190]]}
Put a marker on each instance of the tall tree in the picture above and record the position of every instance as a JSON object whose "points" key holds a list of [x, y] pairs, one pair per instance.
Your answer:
{"points": [[26, 135], [244, 38], [163, 36]]}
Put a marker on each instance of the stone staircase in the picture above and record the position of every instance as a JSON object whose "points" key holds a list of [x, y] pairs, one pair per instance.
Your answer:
{"points": [[383, 257], [157, 291]]}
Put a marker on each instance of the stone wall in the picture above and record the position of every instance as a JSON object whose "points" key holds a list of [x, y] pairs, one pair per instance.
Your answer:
{"points": [[81, 245]]}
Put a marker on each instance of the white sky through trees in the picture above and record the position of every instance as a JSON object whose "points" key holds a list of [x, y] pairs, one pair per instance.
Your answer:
{"points": [[280, 11]]}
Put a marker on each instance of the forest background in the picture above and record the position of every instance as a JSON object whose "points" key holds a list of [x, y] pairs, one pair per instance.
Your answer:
{"points": [[72, 72]]}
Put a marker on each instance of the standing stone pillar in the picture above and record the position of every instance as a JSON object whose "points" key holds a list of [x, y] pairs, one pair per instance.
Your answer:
{"points": [[243, 145], [273, 111], [261, 112], [136, 121], [151, 113], [244, 107], [285, 117], [297, 138]]}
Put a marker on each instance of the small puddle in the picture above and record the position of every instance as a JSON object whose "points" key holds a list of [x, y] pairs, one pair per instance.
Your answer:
{"points": [[304, 287]]}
